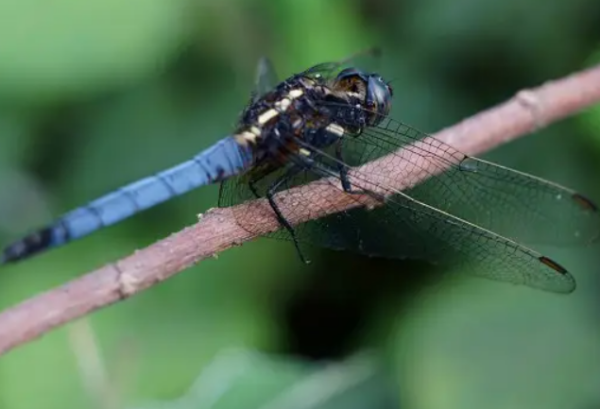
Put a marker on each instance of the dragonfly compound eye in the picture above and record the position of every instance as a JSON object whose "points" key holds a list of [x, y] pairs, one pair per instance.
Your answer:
{"points": [[379, 99], [374, 95]]}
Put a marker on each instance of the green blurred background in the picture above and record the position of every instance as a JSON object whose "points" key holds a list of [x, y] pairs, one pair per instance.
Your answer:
{"points": [[96, 94]]}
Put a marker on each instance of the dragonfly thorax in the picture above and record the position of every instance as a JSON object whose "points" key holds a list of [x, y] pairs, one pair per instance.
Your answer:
{"points": [[275, 123], [313, 110]]}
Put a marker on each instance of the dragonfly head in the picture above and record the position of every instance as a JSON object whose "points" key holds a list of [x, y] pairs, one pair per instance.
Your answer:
{"points": [[370, 90]]}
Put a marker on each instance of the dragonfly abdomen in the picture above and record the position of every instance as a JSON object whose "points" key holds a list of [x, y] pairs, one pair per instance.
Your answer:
{"points": [[224, 159]]}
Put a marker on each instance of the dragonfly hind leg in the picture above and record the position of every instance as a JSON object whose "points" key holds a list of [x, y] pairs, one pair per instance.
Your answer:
{"points": [[278, 214]]}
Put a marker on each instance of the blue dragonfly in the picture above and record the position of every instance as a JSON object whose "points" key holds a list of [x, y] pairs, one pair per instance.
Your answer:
{"points": [[320, 124]]}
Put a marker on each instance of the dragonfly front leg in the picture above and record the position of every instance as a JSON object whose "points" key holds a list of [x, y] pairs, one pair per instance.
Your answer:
{"points": [[343, 174], [342, 168]]}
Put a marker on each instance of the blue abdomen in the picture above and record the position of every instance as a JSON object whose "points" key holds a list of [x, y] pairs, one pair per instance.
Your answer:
{"points": [[224, 159]]}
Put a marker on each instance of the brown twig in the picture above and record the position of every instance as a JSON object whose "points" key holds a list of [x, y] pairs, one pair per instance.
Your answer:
{"points": [[217, 230]]}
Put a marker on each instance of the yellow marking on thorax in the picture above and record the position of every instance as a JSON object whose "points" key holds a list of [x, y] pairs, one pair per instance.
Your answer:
{"points": [[280, 106], [335, 129], [248, 136], [267, 116], [295, 93], [251, 135], [283, 105]]}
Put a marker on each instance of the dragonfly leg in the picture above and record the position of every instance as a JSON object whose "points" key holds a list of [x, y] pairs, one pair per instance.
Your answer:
{"points": [[343, 174], [253, 188], [280, 217], [271, 198], [342, 168]]}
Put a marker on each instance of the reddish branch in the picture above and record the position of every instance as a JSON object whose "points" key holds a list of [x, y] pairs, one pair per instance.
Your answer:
{"points": [[217, 230]]}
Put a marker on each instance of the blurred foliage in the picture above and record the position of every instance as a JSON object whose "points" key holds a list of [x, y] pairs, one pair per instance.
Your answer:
{"points": [[263, 381], [96, 94]]}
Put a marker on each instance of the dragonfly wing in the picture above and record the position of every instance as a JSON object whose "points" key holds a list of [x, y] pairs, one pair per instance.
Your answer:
{"points": [[405, 228], [329, 70], [266, 78], [510, 203]]}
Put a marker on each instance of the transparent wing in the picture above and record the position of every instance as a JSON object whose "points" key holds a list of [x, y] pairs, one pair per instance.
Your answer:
{"points": [[405, 228], [510, 203], [266, 78], [329, 70]]}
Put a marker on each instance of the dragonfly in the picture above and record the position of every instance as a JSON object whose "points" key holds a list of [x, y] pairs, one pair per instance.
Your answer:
{"points": [[322, 124]]}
